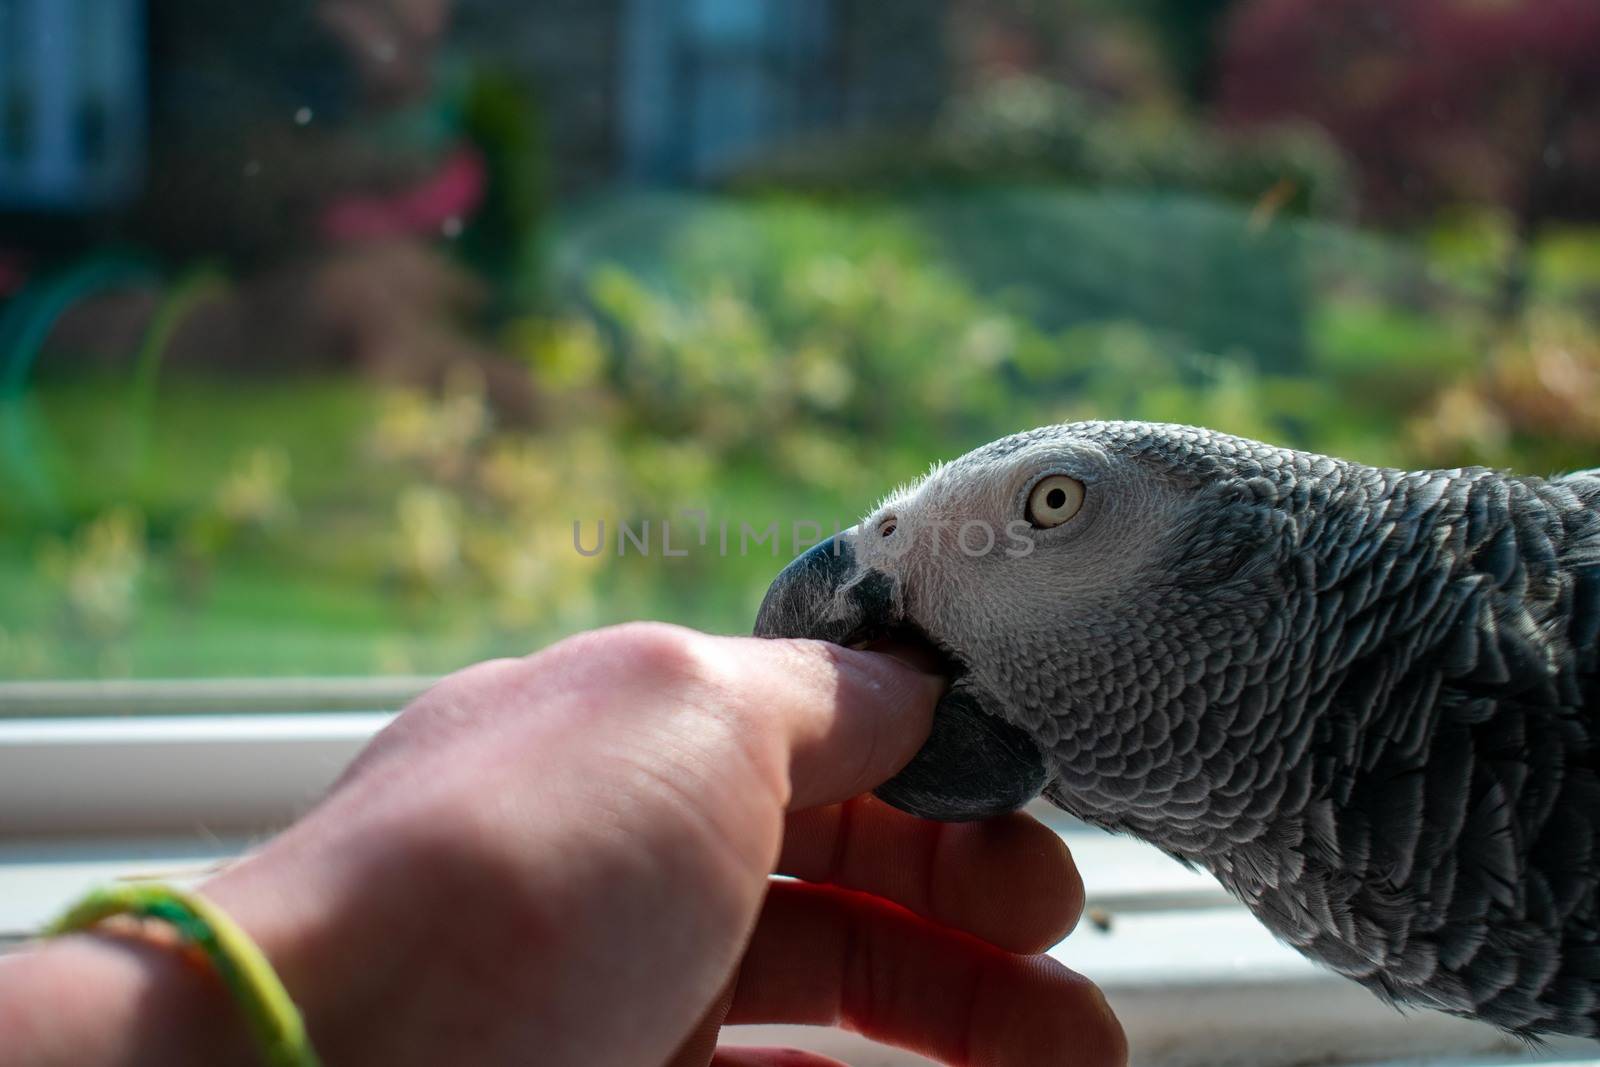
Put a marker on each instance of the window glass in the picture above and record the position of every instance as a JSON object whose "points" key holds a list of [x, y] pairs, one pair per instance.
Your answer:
{"points": [[356, 337]]}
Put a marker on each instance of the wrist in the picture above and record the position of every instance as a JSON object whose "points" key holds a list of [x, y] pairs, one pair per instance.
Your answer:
{"points": [[319, 906], [295, 927], [118, 1000], [127, 993]]}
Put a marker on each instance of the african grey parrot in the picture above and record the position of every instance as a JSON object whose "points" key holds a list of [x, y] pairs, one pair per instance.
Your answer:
{"points": [[1366, 700]]}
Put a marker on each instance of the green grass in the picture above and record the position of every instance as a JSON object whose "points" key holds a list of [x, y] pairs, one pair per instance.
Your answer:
{"points": [[322, 595], [88, 443]]}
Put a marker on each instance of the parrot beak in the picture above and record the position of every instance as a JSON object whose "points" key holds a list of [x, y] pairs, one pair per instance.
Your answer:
{"points": [[974, 764]]}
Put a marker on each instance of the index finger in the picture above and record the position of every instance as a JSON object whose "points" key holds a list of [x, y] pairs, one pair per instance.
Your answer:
{"points": [[851, 720]]}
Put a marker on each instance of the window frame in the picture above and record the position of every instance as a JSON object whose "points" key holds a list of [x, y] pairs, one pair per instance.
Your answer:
{"points": [[158, 757]]}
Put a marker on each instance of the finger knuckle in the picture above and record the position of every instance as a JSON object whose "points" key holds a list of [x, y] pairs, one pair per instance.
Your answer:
{"points": [[822, 658], [669, 656], [487, 673]]}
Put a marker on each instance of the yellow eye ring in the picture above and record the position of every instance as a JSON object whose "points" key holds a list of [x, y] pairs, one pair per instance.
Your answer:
{"points": [[1054, 500]]}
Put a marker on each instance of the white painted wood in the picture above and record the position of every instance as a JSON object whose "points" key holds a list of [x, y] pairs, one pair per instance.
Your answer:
{"points": [[230, 696], [154, 774]]}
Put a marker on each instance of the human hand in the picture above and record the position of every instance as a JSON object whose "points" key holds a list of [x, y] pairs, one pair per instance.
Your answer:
{"points": [[565, 859]]}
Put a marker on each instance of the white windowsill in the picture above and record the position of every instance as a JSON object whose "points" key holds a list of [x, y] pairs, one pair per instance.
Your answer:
{"points": [[1194, 977]]}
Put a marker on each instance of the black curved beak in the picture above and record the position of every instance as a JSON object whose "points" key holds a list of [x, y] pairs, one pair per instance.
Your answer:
{"points": [[974, 764]]}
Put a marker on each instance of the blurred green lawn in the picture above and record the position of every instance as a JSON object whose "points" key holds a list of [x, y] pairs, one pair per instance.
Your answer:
{"points": [[764, 359]]}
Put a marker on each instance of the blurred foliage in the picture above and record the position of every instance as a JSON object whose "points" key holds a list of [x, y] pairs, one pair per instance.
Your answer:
{"points": [[1190, 32], [98, 571], [708, 369], [1025, 127], [502, 117], [1533, 403], [1022, 125], [1153, 209], [1441, 102]]}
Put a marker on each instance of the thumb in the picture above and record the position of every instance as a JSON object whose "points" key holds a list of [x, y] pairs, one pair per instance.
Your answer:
{"points": [[851, 719]]}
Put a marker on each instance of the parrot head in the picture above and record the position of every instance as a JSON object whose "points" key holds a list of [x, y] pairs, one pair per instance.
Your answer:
{"points": [[1091, 590]]}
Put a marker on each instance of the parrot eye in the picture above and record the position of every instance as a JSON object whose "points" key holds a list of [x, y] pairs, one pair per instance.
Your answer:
{"points": [[1054, 500]]}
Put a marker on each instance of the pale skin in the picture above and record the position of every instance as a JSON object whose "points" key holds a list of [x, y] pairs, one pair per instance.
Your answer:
{"points": [[565, 859]]}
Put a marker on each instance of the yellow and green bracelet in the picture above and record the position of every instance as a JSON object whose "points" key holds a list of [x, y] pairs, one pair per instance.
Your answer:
{"points": [[271, 1014]]}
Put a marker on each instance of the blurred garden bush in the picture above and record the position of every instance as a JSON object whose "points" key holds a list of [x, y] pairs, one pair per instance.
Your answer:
{"points": [[1173, 219], [759, 360], [1027, 127]]}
